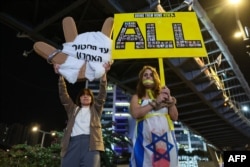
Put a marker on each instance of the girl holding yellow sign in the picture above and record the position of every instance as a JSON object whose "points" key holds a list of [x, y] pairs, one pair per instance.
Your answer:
{"points": [[154, 143]]}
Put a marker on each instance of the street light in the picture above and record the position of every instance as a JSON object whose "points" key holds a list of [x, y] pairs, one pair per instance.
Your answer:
{"points": [[242, 30], [36, 129]]}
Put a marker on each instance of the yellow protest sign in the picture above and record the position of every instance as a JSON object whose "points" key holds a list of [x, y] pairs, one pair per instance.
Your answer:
{"points": [[157, 35]]}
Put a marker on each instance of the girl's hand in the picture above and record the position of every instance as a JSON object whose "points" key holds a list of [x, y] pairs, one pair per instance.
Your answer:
{"points": [[164, 95], [56, 68], [107, 66]]}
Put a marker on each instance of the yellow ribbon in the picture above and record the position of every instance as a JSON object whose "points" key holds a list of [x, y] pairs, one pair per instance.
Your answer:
{"points": [[171, 125], [149, 115], [150, 94]]}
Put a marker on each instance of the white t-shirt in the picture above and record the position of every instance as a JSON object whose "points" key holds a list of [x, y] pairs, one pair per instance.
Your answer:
{"points": [[82, 122]]}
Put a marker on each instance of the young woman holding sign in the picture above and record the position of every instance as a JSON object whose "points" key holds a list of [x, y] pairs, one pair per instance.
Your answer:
{"points": [[82, 141], [153, 107]]}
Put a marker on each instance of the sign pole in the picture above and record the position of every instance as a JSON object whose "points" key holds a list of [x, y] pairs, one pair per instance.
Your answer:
{"points": [[161, 71]]}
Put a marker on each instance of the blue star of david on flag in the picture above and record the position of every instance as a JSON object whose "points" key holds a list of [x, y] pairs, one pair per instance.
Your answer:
{"points": [[152, 147]]}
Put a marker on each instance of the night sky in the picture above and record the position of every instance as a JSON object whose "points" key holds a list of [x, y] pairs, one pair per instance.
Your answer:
{"points": [[29, 85]]}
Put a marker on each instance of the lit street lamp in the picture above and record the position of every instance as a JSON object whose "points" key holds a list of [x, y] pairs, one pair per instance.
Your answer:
{"points": [[36, 129], [244, 31]]}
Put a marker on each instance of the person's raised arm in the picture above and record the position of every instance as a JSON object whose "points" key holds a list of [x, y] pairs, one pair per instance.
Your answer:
{"points": [[63, 92], [107, 67], [100, 99]]}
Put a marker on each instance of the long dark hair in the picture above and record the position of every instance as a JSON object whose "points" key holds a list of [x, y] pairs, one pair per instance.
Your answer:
{"points": [[85, 91]]}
